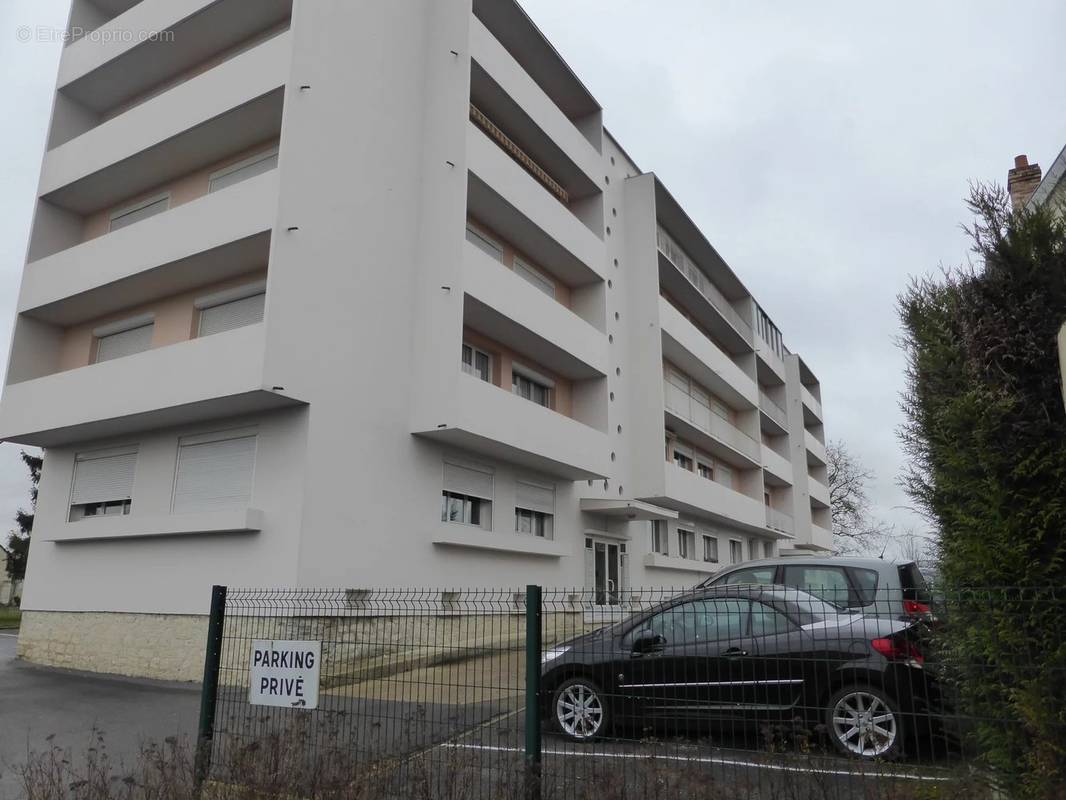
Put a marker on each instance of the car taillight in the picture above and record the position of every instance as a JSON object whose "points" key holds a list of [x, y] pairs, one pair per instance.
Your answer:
{"points": [[913, 608], [899, 650]]}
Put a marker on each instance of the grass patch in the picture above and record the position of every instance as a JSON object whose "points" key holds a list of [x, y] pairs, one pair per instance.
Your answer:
{"points": [[9, 617]]}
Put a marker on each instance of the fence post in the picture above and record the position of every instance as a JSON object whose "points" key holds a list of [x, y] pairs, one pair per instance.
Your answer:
{"points": [[209, 692], [533, 652]]}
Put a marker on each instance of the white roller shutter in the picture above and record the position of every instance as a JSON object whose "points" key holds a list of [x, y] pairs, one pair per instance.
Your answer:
{"points": [[533, 497], [214, 475], [124, 343], [243, 170], [235, 314], [464, 480], [103, 478]]}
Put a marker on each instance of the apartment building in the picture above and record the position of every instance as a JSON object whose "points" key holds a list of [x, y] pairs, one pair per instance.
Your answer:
{"points": [[363, 294]]}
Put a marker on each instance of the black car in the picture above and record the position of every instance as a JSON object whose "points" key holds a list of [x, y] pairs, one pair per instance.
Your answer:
{"points": [[749, 654]]}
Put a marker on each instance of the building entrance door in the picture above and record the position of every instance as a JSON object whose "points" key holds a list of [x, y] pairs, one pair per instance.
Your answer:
{"points": [[606, 570]]}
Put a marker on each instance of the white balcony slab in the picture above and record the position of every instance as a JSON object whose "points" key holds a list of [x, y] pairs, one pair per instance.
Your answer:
{"points": [[818, 492], [702, 359], [687, 491], [493, 57], [522, 191], [212, 238], [486, 419], [811, 402], [815, 448], [777, 465], [468, 536], [517, 314], [225, 110], [132, 526], [659, 561], [215, 376], [117, 62]]}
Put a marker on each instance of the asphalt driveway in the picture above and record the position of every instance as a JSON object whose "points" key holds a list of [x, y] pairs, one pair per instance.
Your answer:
{"points": [[36, 702]]}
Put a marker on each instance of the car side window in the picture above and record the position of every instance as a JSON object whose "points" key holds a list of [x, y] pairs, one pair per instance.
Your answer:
{"points": [[763, 576], [701, 621], [767, 621], [865, 581], [825, 583]]}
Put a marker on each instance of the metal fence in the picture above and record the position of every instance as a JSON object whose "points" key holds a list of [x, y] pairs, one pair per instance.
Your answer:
{"points": [[739, 692]]}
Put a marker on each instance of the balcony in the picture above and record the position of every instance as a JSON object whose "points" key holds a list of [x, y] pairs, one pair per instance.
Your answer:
{"points": [[494, 65], [811, 403], [683, 266], [516, 187], [697, 424], [688, 492], [227, 109], [815, 448], [821, 538], [508, 309], [769, 407], [482, 418], [212, 238], [779, 521], [701, 358], [108, 69], [818, 491], [216, 376], [777, 465]]}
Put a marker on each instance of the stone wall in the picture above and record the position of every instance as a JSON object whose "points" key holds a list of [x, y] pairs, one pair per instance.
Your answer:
{"points": [[162, 646]]}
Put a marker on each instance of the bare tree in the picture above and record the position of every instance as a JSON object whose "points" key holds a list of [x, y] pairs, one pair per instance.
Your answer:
{"points": [[855, 531]]}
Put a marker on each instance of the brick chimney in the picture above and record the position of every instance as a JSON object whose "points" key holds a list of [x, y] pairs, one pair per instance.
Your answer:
{"points": [[1022, 181]]}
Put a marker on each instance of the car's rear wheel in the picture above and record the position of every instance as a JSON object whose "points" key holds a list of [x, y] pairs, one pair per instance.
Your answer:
{"points": [[864, 722], [579, 709]]}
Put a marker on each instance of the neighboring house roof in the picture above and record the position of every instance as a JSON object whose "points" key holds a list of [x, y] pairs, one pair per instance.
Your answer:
{"points": [[1053, 178]]}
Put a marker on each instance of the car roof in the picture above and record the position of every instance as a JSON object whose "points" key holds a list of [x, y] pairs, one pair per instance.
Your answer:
{"points": [[840, 561]]}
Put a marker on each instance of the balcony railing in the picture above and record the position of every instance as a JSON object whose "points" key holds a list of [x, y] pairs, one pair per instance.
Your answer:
{"points": [[688, 408], [779, 521], [687, 267], [518, 154], [773, 410]]}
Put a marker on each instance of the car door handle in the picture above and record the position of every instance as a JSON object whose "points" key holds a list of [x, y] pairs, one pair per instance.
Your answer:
{"points": [[734, 652]]}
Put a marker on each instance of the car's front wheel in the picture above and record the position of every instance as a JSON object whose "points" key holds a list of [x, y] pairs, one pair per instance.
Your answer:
{"points": [[579, 709], [864, 722]]}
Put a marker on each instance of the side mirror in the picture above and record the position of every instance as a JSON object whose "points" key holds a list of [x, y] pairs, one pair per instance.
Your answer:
{"points": [[648, 642]]}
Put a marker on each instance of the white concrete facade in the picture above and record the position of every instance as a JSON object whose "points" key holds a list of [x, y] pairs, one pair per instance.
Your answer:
{"points": [[669, 400]]}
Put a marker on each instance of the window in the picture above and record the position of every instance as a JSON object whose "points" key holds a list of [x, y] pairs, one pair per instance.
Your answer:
{"points": [[767, 549], [659, 537], [534, 509], [762, 576], [701, 621], [141, 210], [686, 543], [103, 483], [723, 474], [736, 552], [825, 583], [753, 549], [534, 276], [124, 338], [865, 581], [705, 470], [243, 170], [682, 460], [484, 243], [530, 385], [710, 549], [215, 471], [467, 496], [477, 363], [231, 309], [767, 621]]}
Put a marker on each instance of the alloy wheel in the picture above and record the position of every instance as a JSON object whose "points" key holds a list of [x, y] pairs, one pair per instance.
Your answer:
{"points": [[864, 724], [579, 711]]}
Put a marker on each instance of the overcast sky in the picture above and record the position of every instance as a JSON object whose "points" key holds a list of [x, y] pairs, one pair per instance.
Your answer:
{"points": [[824, 148]]}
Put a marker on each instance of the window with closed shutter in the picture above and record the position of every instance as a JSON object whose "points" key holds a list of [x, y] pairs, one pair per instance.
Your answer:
{"points": [[214, 475], [243, 170], [231, 315], [124, 343], [103, 478], [467, 481], [535, 497]]}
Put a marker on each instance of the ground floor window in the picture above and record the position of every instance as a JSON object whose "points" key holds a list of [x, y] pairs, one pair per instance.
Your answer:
{"points": [[659, 537], [710, 549], [536, 523], [767, 549], [736, 551], [686, 544]]}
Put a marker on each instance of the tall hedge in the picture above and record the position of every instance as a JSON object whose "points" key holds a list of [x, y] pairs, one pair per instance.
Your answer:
{"points": [[985, 433]]}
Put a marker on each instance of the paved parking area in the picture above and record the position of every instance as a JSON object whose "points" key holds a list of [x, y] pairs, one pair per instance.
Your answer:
{"points": [[36, 702]]}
